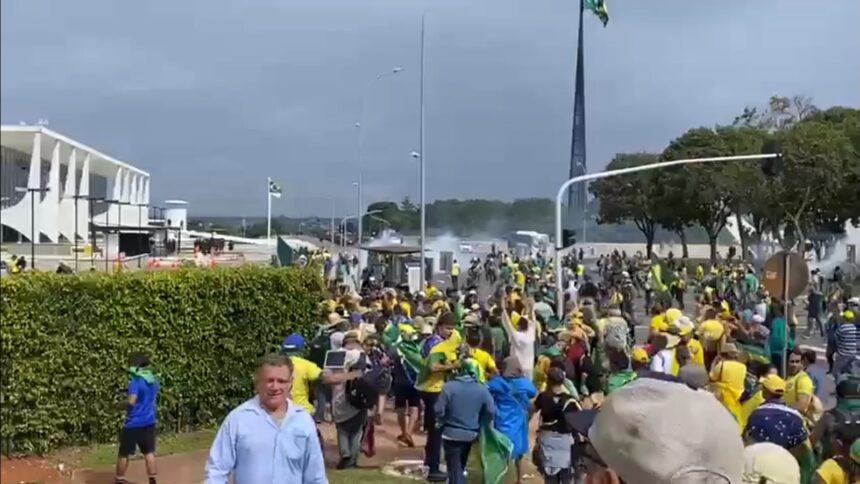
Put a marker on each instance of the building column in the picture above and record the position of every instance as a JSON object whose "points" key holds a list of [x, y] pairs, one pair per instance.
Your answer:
{"points": [[50, 206], [67, 202], [84, 207]]}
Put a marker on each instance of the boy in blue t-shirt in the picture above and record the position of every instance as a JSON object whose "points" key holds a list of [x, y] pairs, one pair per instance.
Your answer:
{"points": [[139, 428]]}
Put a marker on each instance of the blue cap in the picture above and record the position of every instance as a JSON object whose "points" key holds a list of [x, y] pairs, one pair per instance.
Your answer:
{"points": [[294, 341]]}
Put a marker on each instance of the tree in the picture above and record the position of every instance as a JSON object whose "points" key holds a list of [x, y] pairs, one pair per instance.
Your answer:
{"points": [[818, 156], [781, 113], [629, 197], [702, 185], [847, 203], [746, 185]]}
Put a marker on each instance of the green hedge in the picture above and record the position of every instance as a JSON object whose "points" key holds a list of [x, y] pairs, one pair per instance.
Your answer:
{"points": [[66, 340]]}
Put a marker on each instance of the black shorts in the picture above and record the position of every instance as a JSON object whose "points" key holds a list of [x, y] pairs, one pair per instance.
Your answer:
{"points": [[142, 438], [406, 395]]}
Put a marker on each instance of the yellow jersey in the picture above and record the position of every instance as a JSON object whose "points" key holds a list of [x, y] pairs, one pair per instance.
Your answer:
{"points": [[485, 362], [304, 374], [830, 472], [800, 384]]}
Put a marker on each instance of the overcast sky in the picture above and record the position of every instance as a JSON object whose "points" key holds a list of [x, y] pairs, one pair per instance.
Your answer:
{"points": [[213, 96]]}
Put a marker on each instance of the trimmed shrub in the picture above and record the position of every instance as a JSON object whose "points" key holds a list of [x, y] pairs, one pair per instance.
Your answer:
{"points": [[66, 342]]}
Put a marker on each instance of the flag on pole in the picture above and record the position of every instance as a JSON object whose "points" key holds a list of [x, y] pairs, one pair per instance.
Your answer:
{"points": [[598, 7], [274, 189]]}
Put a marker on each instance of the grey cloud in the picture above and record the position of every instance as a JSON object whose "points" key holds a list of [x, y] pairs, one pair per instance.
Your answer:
{"points": [[213, 96]]}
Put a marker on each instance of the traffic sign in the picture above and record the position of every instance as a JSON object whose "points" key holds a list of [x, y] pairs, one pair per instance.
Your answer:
{"points": [[774, 275]]}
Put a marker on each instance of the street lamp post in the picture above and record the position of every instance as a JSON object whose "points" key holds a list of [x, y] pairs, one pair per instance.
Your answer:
{"points": [[139, 232], [332, 222], [559, 244], [420, 155], [357, 186], [32, 192], [422, 215], [360, 125]]}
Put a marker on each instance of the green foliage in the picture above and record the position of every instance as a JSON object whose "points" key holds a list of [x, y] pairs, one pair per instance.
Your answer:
{"points": [[812, 199], [632, 197], [66, 341]]}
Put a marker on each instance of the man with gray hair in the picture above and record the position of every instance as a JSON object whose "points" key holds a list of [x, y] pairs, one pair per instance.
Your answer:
{"points": [[268, 438]]}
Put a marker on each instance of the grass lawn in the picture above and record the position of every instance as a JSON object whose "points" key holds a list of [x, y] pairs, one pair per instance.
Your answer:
{"points": [[104, 455], [364, 476]]}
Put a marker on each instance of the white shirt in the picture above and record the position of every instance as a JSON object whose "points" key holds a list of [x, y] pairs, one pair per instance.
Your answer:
{"points": [[522, 343], [662, 361]]}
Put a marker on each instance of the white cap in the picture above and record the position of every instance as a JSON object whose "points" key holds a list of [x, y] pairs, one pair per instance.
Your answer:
{"points": [[653, 432], [768, 462]]}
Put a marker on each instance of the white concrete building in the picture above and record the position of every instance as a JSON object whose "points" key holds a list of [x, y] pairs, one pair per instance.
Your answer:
{"points": [[45, 176]]}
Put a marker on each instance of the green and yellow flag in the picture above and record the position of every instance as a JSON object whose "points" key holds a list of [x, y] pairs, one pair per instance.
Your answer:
{"points": [[598, 7]]}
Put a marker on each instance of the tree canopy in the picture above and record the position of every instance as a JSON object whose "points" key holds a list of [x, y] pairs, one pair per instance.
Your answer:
{"points": [[811, 200]]}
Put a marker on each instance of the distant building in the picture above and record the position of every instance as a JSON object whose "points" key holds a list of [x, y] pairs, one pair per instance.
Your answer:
{"points": [[60, 173]]}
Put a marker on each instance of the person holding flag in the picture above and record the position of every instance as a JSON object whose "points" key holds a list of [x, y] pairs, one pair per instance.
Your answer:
{"points": [[405, 354], [440, 359]]}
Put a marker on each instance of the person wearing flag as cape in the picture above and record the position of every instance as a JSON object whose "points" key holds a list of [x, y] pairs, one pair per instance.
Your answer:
{"points": [[405, 353], [440, 359]]}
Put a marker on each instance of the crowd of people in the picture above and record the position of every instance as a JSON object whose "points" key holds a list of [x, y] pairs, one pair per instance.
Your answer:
{"points": [[718, 390]]}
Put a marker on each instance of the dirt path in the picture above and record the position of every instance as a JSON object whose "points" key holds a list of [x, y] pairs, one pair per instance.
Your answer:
{"points": [[188, 468], [30, 470]]}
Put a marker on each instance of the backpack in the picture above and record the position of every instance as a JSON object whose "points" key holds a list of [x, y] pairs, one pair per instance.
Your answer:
{"points": [[319, 346], [363, 392]]}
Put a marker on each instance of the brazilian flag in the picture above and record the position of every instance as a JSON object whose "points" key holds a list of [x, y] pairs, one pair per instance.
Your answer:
{"points": [[598, 7], [444, 352]]}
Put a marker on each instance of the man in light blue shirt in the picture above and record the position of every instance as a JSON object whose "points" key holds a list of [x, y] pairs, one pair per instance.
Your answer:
{"points": [[268, 439]]}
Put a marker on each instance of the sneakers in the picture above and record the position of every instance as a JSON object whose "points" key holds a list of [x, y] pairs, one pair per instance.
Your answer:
{"points": [[437, 476]]}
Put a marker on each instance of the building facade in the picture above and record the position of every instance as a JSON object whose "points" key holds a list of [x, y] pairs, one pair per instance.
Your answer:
{"points": [[54, 186]]}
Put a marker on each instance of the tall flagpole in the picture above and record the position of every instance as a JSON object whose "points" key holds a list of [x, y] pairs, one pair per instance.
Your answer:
{"points": [[268, 209], [577, 197]]}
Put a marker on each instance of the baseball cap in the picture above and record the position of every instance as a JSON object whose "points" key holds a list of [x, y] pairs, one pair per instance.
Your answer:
{"points": [[767, 462], [640, 355], [355, 318], [293, 342], [773, 383], [652, 432], [351, 336]]}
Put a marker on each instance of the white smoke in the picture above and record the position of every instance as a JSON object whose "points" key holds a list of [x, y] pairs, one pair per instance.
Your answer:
{"points": [[838, 255]]}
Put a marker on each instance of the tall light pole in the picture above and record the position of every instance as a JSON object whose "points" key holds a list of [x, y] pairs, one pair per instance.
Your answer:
{"points": [[357, 186], [422, 206], [359, 125], [332, 221], [559, 244], [140, 232], [425, 277], [32, 192]]}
